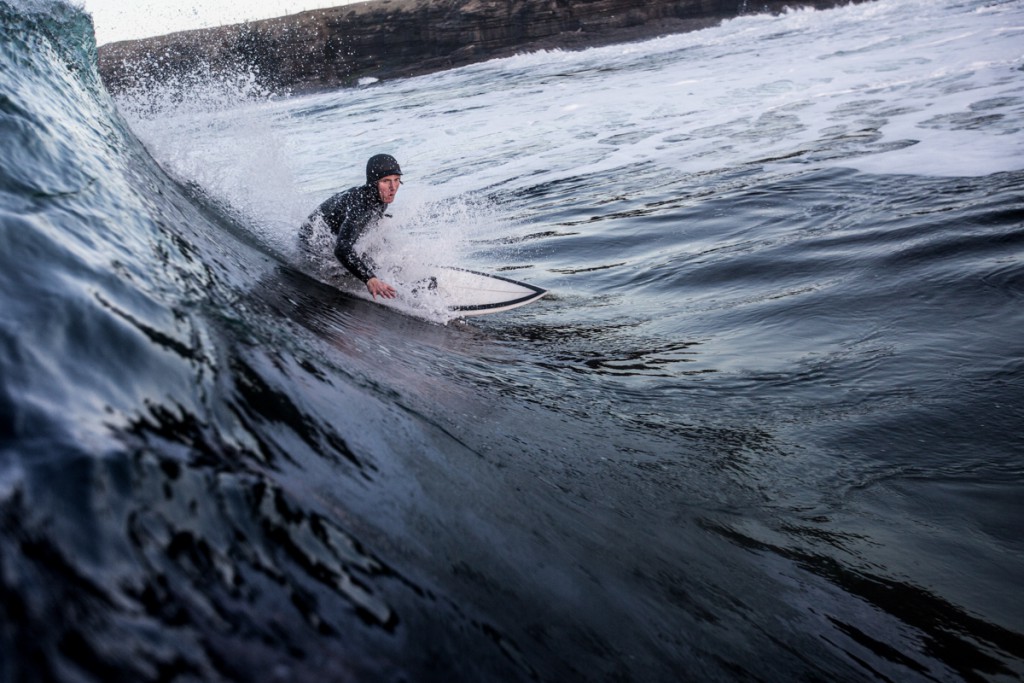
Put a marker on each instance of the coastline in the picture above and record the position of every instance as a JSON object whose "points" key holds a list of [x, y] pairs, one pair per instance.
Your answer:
{"points": [[326, 49]]}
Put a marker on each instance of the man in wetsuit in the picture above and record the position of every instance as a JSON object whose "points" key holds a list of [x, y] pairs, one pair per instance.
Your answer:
{"points": [[350, 213]]}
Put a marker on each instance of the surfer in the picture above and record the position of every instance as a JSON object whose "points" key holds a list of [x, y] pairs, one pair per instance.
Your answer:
{"points": [[351, 213]]}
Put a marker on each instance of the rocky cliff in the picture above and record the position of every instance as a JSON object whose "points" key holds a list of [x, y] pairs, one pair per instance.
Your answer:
{"points": [[329, 48]]}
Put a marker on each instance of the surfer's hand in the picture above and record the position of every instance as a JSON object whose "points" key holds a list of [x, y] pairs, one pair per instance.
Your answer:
{"points": [[378, 287]]}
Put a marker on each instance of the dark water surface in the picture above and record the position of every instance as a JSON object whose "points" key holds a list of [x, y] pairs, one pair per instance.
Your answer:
{"points": [[767, 426]]}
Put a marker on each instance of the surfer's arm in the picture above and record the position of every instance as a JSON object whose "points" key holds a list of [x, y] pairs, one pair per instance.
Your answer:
{"points": [[344, 250], [358, 267], [351, 226]]}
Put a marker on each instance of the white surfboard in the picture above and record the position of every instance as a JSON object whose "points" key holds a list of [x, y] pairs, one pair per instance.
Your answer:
{"points": [[469, 292]]}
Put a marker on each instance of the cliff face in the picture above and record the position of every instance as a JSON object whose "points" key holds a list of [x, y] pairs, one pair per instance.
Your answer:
{"points": [[323, 49]]}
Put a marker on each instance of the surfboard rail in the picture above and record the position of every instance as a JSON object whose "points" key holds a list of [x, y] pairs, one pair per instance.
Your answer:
{"points": [[473, 292]]}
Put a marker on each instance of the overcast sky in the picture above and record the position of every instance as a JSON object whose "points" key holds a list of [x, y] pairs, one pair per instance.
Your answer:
{"points": [[128, 19]]}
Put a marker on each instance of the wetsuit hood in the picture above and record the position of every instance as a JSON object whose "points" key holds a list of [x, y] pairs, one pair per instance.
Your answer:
{"points": [[380, 166]]}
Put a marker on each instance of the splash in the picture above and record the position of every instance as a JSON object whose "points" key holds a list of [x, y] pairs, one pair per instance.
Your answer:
{"points": [[409, 245], [214, 130]]}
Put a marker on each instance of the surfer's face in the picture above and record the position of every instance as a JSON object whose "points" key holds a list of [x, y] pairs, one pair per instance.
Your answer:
{"points": [[388, 187]]}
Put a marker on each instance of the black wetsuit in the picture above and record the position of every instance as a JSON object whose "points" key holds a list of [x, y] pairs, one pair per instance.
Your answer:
{"points": [[348, 214]]}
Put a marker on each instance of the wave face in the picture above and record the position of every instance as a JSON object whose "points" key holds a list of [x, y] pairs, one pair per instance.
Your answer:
{"points": [[765, 427]]}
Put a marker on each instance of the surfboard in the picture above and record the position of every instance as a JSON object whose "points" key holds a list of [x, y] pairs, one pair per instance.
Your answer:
{"points": [[469, 292]]}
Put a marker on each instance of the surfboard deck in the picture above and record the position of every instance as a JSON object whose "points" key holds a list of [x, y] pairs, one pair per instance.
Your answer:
{"points": [[470, 292]]}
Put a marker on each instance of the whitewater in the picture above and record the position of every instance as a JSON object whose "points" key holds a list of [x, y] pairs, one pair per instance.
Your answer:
{"points": [[766, 425]]}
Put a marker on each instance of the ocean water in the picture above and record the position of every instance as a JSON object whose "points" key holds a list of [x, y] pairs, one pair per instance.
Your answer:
{"points": [[767, 425]]}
